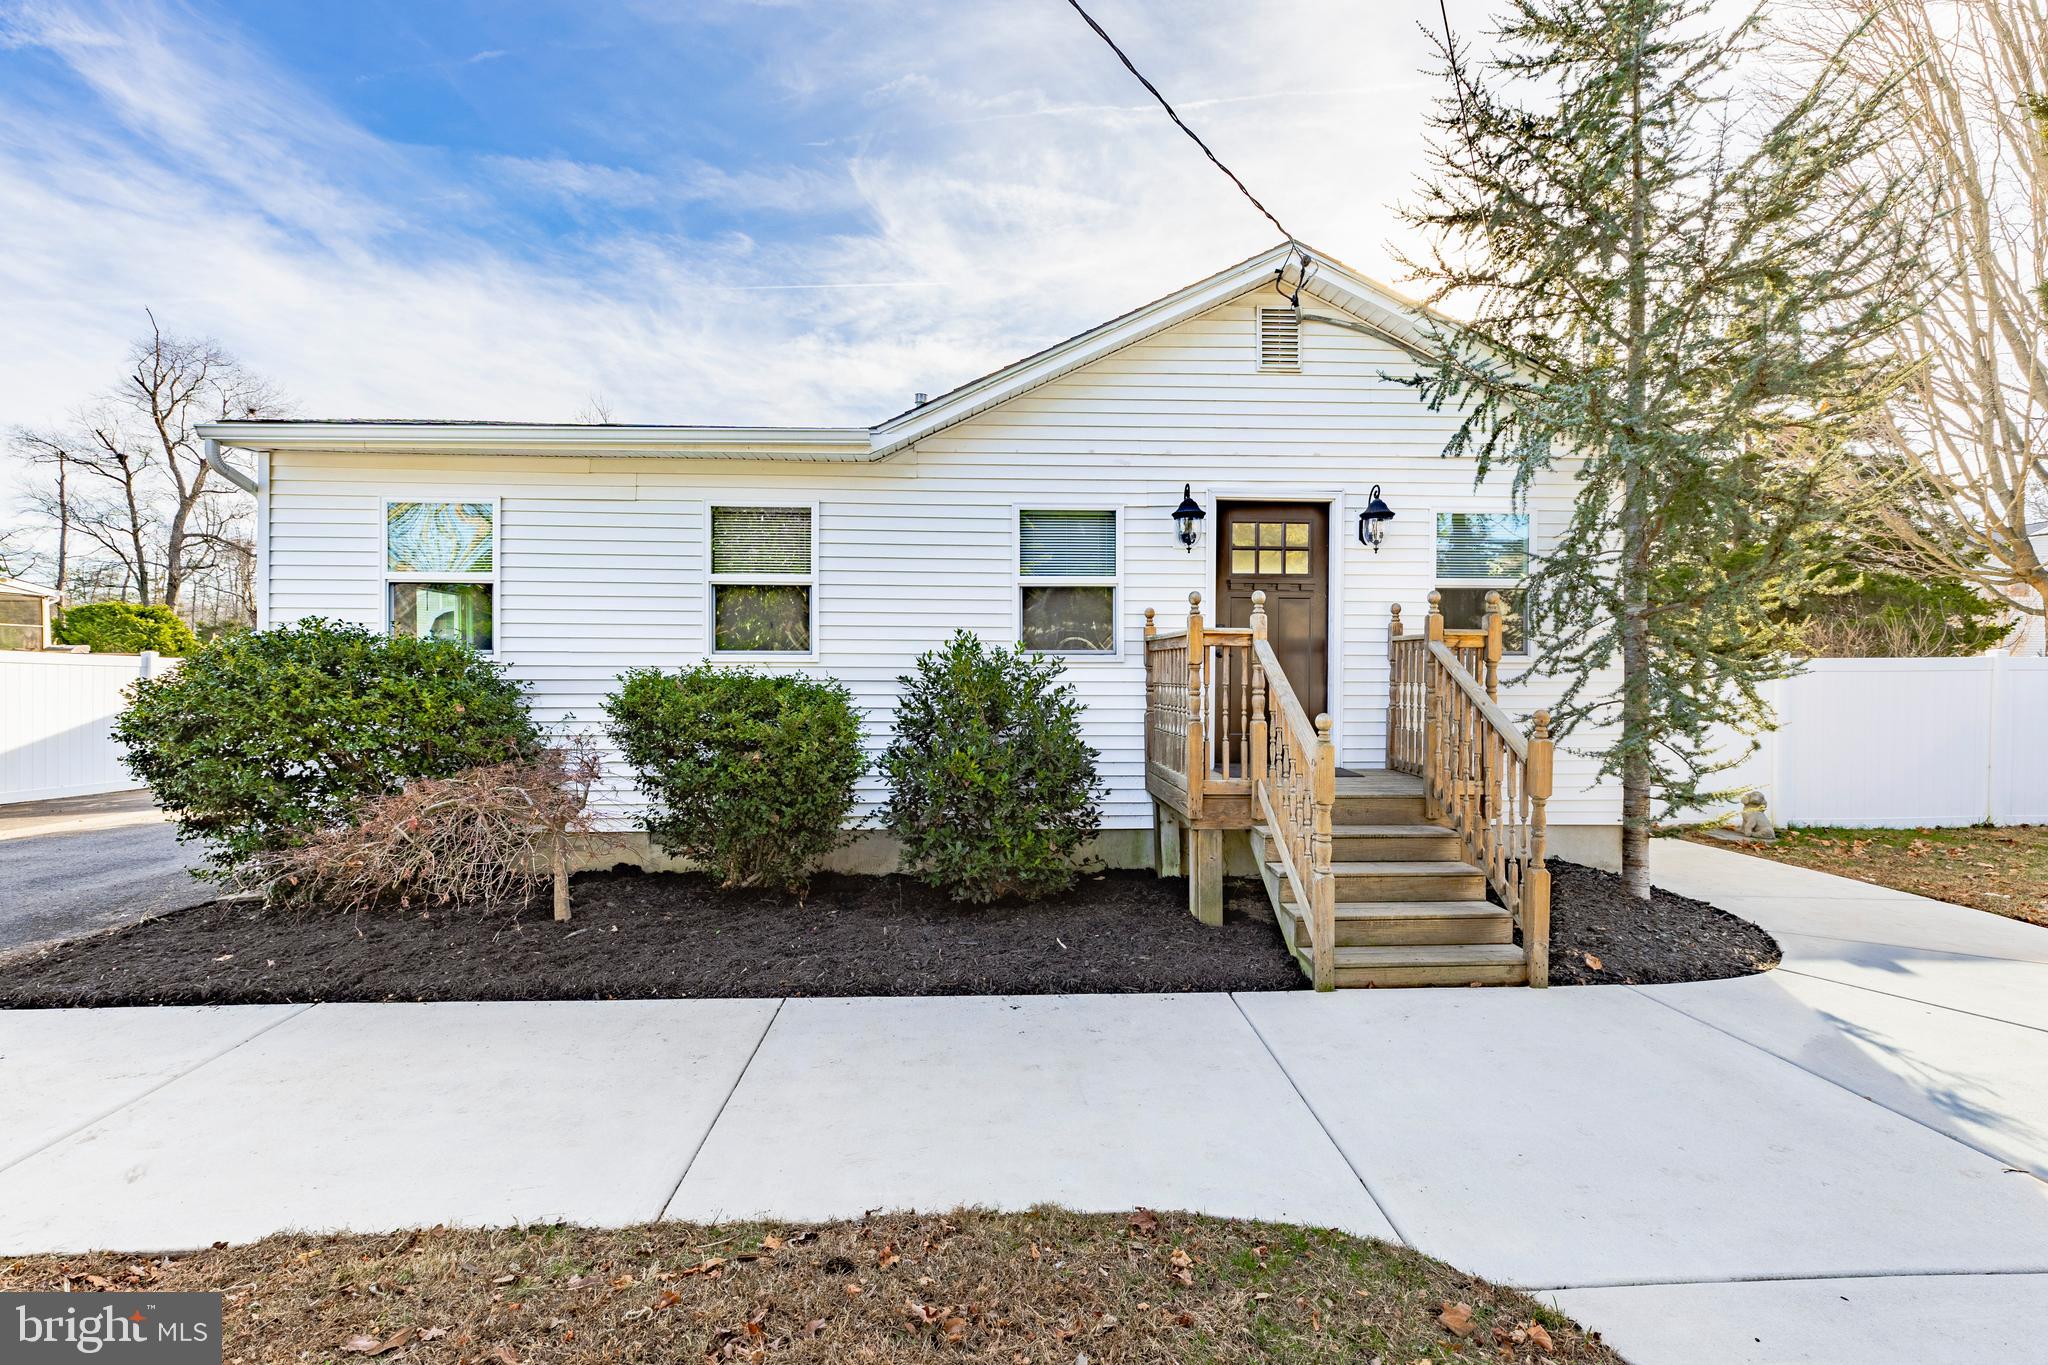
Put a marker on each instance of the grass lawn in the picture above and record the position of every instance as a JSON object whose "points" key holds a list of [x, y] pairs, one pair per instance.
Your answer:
{"points": [[1047, 1286], [2000, 869]]}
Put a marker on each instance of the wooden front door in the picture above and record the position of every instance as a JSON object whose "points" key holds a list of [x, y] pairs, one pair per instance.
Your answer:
{"points": [[1283, 550]]}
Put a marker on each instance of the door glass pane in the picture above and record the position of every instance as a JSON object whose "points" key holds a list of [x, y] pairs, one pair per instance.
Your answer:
{"points": [[1070, 620], [769, 617], [1297, 535], [1269, 533], [457, 612], [1244, 561], [1270, 561], [1297, 561], [1244, 533]]}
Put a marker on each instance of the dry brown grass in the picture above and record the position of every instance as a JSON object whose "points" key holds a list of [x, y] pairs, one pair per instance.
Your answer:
{"points": [[2001, 869], [1044, 1286]]}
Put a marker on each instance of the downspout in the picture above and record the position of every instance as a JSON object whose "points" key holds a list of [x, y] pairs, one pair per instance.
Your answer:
{"points": [[210, 450]]}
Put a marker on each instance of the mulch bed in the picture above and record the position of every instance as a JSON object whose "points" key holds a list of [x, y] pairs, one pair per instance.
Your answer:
{"points": [[1601, 935], [1045, 1287], [668, 935], [671, 936]]}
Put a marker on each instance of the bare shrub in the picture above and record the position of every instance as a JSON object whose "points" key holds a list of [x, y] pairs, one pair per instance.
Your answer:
{"points": [[486, 837]]}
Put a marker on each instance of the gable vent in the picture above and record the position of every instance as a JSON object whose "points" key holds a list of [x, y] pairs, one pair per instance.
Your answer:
{"points": [[1279, 339]]}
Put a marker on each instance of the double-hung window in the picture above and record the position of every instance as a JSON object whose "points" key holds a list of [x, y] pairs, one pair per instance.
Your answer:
{"points": [[1067, 581], [1478, 553], [762, 583], [441, 570]]}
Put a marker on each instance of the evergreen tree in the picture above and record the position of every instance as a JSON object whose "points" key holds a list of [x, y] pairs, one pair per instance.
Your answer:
{"points": [[1665, 287]]}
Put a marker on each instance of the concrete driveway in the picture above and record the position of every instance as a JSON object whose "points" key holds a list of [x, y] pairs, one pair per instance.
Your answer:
{"points": [[72, 866], [1842, 1160]]}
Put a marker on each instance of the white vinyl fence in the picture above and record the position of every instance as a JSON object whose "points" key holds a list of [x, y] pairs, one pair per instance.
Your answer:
{"points": [[1901, 743], [57, 715]]}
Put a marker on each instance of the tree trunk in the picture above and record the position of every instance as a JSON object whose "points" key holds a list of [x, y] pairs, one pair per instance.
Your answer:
{"points": [[63, 530], [1636, 719]]}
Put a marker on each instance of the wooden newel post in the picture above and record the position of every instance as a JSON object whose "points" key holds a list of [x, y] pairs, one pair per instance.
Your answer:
{"points": [[1258, 733], [1495, 608], [1322, 881], [1151, 629], [1198, 749], [1432, 707], [1536, 885]]}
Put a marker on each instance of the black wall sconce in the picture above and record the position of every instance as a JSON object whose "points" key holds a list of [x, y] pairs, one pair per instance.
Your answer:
{"points": [[1188, 516], [1372, 522]]}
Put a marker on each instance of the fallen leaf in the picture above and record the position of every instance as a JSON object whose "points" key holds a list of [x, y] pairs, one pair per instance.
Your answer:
{"points": [[359, 1344], [1457, 1319], [392, 1342], [1145, 1222], [887, 1256], [815, 1327], [771, 1243], [852, 1290], [1595, 963], [1540, 1337], [505, 1355], [507, 1279]]}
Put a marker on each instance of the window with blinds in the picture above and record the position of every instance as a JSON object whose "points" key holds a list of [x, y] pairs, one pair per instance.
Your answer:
{"points": [[1478, 553], [1066, 572], [762, 598], [761, 540]]}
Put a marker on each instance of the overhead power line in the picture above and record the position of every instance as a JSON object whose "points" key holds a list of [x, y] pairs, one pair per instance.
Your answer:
{"points": [[1182, 124]]}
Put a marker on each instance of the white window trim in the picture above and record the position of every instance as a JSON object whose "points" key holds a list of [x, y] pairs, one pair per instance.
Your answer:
{"points": [[1439, 582], [386, 577], [712, 581], [1019, 580]]}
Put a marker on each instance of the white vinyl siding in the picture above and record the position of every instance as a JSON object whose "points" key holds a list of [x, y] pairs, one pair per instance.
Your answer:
{"points": [[604, 561]]}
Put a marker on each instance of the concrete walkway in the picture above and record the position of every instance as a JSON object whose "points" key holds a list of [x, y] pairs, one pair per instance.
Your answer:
{"points": [[1842, 1160]]}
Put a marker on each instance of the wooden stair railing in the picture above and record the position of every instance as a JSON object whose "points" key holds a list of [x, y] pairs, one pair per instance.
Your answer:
{"points": [[1480, 775], [1198, 707], [1294, 788]]}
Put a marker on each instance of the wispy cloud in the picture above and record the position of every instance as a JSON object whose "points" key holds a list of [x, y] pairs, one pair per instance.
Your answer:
{"points": [[952, 187]]}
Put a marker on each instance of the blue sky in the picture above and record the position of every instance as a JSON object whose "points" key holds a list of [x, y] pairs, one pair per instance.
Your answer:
{"points": [[734, 210]]}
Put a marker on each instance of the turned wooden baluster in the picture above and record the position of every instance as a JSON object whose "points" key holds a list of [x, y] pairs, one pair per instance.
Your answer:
{"points": [[1397, 711], [1496, 608]]}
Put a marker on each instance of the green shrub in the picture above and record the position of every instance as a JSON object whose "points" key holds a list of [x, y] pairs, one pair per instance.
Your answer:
{"points": [[125, 628], [261, 739], [750, 774], [992, 790]]}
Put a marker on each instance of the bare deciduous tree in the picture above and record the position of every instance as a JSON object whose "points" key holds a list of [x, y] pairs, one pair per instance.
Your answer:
{"points": [[130, 477], [1964, 445]]}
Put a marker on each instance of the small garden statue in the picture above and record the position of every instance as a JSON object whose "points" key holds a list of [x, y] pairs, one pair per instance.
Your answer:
{"points": [[1755, 824]]}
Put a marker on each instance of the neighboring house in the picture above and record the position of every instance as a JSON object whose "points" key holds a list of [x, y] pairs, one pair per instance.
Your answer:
{"points": [[25, 614], [2031, 639], [1034, 504]]}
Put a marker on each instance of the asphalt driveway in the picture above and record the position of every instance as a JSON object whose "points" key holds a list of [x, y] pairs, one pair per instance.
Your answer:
{"points": [[72, 866]]}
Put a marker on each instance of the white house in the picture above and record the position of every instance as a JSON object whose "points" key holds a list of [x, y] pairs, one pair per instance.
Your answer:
{"points": [[1033, 504]]}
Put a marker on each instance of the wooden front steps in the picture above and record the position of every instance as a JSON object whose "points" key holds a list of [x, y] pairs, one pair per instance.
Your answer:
{"points": [[1410, 910]]}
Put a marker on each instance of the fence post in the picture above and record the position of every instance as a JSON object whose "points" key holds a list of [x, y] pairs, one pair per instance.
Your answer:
{"points": [[1536, 885], [147, 662]]}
